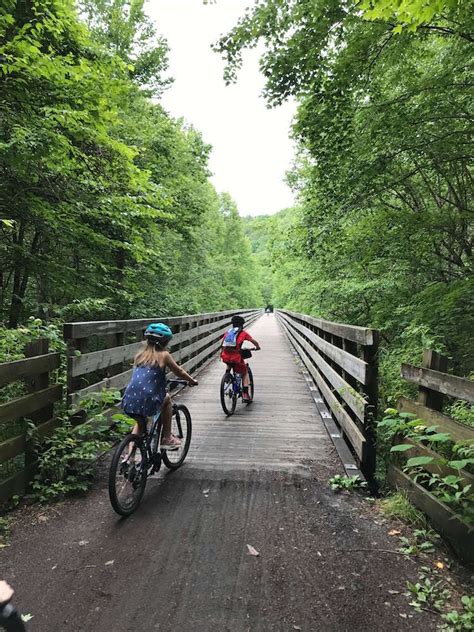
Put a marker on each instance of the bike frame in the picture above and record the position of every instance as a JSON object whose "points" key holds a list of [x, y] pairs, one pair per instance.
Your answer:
{"points": [[156, 426]]}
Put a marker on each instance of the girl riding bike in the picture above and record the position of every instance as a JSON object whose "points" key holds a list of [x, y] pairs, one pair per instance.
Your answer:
{"points": [[146, 393], [232, 351]]}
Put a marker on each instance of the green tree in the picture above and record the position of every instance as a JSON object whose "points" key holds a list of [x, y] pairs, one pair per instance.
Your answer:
{"points": [[384, 128]]}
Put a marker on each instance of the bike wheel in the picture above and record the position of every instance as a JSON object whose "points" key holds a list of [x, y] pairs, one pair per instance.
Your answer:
{"points": [[251, 383], [228, 397], [128, 475], [182, 428]]}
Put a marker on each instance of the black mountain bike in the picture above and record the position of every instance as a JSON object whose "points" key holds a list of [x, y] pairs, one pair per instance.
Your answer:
{"points": [[231, 389], [136, 458]]}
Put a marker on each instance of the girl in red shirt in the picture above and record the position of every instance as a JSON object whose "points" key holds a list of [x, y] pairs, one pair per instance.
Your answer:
{"points": [[232, 355]]}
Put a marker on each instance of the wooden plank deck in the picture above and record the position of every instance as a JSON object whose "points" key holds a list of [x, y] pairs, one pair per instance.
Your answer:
{"points": [[280, 430]]}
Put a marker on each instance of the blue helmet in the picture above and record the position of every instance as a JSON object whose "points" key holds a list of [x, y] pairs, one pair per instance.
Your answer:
{"points": [[158, 330]]}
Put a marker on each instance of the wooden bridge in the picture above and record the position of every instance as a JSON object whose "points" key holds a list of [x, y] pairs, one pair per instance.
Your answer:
{"points": [[252, 483], [329, 394]]}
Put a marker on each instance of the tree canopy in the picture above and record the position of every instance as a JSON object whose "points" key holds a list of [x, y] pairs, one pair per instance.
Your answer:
{"points": [[382, 235], [106, 204]]}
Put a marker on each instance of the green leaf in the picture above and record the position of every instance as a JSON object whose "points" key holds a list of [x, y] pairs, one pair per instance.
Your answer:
{"points": [[419, 460], [439, 437], [461, 463], [401, 447]]}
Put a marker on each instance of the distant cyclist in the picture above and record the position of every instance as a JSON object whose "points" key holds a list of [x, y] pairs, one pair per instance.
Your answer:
{"points": [[146, 394], [232, 351]]}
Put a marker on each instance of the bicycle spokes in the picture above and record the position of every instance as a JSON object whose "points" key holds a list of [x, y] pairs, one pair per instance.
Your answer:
{"points": [[127, 476]]}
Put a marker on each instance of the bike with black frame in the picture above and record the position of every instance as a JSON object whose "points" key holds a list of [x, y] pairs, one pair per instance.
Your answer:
{"points": [[138, 457], [231, 385]]}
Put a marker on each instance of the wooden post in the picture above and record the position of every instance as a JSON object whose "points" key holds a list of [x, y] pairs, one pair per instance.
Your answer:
{"points": [[73, 383], [370, 355], [116, 340], [36, 383], [438, 362]]}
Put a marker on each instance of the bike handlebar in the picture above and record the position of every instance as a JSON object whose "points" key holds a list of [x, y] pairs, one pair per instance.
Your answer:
{"points": [[177, 381]]}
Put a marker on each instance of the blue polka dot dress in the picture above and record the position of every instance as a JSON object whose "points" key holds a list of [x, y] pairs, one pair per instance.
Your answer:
{"points": [[146, 391]]}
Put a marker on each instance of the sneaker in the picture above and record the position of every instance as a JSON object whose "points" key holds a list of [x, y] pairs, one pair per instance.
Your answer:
{"points": [[173, 443], [246, 397]]}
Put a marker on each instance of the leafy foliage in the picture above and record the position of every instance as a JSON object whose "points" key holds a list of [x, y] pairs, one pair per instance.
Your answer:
{"points": [[451, 489], [399, 507], [349, 483], [427, 593], [456, 621], [382, 235], [67, 460], [106, 205]]}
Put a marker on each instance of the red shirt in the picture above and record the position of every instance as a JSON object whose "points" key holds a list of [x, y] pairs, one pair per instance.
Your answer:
{"points": [[232, 354]]}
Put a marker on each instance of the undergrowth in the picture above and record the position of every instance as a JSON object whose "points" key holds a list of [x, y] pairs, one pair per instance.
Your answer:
{"points": [[399, 507], [67, 460]]}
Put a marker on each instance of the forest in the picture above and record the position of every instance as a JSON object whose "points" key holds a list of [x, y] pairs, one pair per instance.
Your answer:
{"points": [[107, 209]]}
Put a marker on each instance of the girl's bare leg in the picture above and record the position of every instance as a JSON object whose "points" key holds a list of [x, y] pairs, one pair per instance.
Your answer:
{"points": [[166, 410], [136, 430]]}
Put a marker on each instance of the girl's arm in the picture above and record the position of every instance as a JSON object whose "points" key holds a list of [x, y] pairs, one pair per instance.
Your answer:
{"points": [[177, 370], [254, 342]]}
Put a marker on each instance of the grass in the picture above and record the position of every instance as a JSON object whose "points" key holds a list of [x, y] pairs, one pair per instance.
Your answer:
{"points": [[398, 506], [5, 527]]}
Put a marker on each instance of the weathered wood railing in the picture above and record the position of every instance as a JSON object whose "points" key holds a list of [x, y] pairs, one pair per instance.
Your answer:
{"points": [[36, 405], [99, 356], [433, 385], [100, 352], [342, 362]]}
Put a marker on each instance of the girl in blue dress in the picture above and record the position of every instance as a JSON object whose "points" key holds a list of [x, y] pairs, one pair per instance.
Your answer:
{"points": [[146, 394]]}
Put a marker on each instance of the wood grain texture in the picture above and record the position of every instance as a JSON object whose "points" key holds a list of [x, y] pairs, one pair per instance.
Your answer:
{"points": [[443, 518], [28, 404], [353, 365], [351, 429], [458, 431], [344, 390], [280, 431], [27, 367], [361, 335], [452, 385], [105, 327]]}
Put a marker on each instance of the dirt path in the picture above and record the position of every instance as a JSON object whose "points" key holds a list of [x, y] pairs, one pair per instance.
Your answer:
{"points": [[182, 560]]}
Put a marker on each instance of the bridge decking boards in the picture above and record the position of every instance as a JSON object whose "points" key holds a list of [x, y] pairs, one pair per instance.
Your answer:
{"points": [[181, 561], [280, 430]]}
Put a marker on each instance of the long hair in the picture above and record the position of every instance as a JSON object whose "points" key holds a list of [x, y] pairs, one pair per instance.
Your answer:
{"points": [[149, 353]]}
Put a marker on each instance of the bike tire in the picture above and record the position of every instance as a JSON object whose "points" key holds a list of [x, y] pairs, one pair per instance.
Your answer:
{"points": [[134, 476], [228, 403], [181, 426], [251, 384]]}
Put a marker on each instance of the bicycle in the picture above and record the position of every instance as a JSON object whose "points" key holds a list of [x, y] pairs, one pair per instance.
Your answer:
{"points": [[138, 457], [231, 388]]}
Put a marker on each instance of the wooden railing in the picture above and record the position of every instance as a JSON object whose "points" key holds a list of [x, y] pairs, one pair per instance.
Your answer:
{"points": [[36, 405], [433, 385], [99, 356], [342, 362], [100, 352]]}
